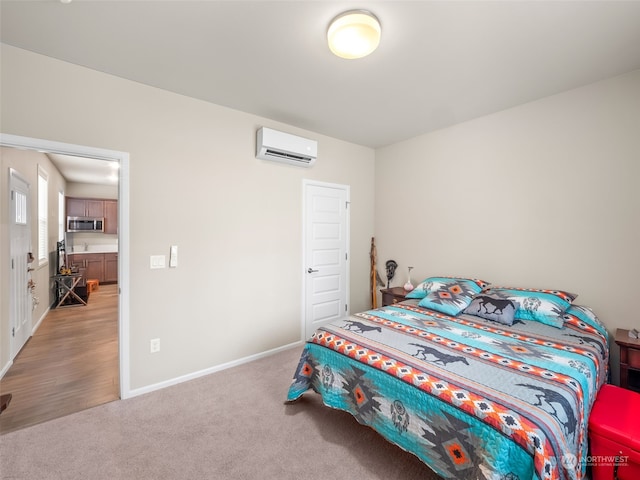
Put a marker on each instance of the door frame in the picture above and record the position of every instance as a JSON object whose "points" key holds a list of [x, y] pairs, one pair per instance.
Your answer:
{"points": [[347, 189], [27, 143]]}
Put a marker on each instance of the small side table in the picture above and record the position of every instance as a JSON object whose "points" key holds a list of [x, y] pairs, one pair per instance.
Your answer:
{"points": [[66, 287], [392, 295], [629, 360]]}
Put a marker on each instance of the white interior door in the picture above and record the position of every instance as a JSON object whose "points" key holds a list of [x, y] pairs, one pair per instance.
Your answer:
{"points": [[326, 241], [20, 246]]}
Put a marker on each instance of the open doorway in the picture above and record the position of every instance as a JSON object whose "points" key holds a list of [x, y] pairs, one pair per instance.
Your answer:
{"points": [[109, 301]]}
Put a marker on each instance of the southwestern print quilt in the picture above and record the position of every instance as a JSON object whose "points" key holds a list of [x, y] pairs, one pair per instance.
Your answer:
{"points": [[472, 398]]}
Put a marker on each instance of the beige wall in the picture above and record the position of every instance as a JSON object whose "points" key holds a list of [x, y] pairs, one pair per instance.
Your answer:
{"points": [[542, 195], [26, 163], [195, 183], [89, 190]]}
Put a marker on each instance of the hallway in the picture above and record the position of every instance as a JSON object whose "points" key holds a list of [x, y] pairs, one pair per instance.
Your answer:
{"points": [[70, 364]]}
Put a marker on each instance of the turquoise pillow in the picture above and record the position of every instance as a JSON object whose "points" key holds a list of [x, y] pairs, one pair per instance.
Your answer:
{"points": [[450, 295], [434, 283], [544, 306], [586, 315]]}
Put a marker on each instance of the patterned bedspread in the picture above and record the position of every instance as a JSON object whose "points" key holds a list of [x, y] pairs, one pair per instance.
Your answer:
{"points": [[471, 398]]}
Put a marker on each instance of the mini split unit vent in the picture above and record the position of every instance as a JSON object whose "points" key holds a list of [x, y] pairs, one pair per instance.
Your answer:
{"points": [[286, 148]]}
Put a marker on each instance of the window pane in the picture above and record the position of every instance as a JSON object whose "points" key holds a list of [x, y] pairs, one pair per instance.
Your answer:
{"points": [[43, 213], [21, 208], [60, 216]]}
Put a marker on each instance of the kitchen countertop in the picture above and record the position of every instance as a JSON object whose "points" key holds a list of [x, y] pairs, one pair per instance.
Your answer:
{"points": [[91, 251], [79, 250]]}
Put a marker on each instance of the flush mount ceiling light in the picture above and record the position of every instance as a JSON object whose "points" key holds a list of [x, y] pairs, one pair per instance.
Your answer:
{"points": [[354, 34]]}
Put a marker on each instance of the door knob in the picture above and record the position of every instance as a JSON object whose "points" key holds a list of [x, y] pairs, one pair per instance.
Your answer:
{"points": [[311, 270]]}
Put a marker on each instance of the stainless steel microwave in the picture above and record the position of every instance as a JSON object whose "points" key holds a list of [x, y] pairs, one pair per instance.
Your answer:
{"points": [[85, 224]]}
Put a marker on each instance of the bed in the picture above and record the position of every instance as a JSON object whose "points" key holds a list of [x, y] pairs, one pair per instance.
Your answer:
{"points": [[478, 382]]}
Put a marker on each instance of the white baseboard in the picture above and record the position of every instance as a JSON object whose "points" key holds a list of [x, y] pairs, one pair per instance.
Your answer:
{"points": [[208, 371], [6, 368], [37, 325]]}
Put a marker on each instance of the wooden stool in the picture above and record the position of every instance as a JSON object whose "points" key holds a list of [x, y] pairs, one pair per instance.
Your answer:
{"points": [[92, 285]]}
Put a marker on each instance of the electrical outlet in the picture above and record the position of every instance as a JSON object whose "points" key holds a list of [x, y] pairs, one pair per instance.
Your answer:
{"points": [[154, 345]]}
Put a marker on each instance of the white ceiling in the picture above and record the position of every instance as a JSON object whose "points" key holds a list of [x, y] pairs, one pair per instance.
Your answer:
{"points": [[439, 62], [85, 170]]}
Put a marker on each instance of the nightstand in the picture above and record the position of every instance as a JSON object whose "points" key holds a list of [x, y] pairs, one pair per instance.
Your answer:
{"points": [[392, 295], [629, 360]]}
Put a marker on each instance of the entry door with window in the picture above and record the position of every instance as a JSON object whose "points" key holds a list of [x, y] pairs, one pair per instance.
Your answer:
{"points": [[20, 241], [326, 241]]}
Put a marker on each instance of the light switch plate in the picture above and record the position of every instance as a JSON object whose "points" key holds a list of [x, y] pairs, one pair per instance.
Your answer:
{"points": [[157, 261], [173, 256]]}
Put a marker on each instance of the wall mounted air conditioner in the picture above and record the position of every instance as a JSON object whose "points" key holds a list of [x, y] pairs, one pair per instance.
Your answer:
{"points": [[286, 148]]}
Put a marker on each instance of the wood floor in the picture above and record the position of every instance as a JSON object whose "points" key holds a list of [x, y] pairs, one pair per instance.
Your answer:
{"points": [[70, 364]]}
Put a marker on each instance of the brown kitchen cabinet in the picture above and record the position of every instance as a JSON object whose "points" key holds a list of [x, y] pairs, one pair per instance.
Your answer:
{"points": [[89, 265], [77, 264], [94, 264], [85, 207], [110, 267], [95, 207], [111, 216], [100, 266]]}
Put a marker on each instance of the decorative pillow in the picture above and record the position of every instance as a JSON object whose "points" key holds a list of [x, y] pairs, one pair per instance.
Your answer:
{"points": [[586, 315], [492, 307], [434, 283], [450, 295], [544, 306]]}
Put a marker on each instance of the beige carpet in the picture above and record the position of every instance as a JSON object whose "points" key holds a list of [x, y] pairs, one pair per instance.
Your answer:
{"points": [[229, 425]]}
